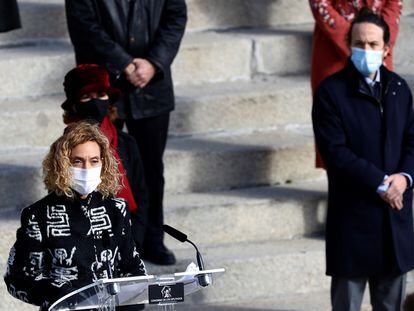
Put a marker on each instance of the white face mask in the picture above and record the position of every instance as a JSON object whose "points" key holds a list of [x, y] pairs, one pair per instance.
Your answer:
{"points": [[86, 180]]}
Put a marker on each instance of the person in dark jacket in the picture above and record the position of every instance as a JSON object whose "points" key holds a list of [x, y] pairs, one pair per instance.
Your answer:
{"points": [[9, 15], [60, 245], [137, 41], [363, 121], [89, 96]]}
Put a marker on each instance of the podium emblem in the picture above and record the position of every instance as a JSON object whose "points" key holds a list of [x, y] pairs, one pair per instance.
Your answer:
{"points": [[161, 294]]}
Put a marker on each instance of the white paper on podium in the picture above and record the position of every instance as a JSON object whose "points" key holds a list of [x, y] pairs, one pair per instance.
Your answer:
{"points": [[191, 284]]}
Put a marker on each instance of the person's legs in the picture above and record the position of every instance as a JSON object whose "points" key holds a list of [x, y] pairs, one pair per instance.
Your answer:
{"points": [[151, 136], [387, 292], [347, 294]]}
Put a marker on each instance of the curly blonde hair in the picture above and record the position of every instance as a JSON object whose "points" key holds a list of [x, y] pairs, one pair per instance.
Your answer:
{"points": [[57, 175]]}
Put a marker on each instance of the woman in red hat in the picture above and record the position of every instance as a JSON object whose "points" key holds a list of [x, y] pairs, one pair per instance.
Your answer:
{"points": [[330, 51], [89, 96]]}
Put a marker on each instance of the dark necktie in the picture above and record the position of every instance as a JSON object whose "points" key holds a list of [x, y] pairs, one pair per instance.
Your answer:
{"points": [[376, 91]]}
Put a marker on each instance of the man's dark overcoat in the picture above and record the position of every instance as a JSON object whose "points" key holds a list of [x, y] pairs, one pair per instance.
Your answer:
{"points": [[113, 32], [362, 139], [9, 15]]}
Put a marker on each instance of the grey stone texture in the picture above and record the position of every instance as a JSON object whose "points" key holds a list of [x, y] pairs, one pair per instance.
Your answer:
{"points": [[249, 214], [239, 168], [241, 105], [191, 164], [203, 15]]}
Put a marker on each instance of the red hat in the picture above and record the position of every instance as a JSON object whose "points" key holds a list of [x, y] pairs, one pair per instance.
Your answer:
{"points": [[86, 78]]}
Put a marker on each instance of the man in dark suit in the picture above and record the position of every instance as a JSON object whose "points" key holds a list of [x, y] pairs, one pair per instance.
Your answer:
{"points": [[363, 121], [9, 15], [137, 41]]}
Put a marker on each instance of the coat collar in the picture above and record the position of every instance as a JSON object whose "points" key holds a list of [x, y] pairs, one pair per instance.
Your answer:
{"points": [[360, 86]]}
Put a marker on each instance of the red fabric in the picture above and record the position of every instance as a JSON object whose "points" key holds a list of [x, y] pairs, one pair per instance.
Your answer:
{"points": [[110, 132], [330, 51], [84, 79]]}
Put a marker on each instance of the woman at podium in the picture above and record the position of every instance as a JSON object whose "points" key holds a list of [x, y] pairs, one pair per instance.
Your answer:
{"points": [[80, 232]]}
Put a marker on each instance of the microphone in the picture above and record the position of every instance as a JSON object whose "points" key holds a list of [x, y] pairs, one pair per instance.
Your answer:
{"points": [[113, 288], [204, 279]]}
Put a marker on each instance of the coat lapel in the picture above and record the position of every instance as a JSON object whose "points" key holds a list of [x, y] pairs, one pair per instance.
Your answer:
{"points": [[118, 11]]}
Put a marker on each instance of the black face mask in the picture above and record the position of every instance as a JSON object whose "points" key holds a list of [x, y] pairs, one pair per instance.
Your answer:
{"points": [[94, 109]]}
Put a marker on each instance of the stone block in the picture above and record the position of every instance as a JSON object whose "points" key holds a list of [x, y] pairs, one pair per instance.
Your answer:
{"points": [[241, 105], [31, 121], [210, 57], [258, 270], [20, 173], [47, 19], [210, 108], [284, 51], [34, 70], [40, 20], [218, 14], [191, 164], [223, 162], [404, 49], [248, 215]]}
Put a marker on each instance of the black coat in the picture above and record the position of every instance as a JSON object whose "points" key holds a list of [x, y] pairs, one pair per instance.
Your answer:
{"points": [[102, 33], [9, 15], [361, 140], [130, 157], [60, 247]]}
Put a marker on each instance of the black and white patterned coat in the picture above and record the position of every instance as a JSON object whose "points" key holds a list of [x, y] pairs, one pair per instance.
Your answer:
{"points": [[59, 247]]}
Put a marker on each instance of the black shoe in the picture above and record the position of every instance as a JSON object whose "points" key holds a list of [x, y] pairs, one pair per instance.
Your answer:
{"points": [[159, 255]]}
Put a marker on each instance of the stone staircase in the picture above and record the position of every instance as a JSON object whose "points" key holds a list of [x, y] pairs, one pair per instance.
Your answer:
{"points": [[239, 163]]}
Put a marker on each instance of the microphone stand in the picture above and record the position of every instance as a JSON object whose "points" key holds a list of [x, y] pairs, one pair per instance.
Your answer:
{"points": [[205, 279]]}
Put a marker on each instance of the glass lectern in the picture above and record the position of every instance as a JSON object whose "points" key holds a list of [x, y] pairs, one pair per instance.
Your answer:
{"points": [[164, 290]]}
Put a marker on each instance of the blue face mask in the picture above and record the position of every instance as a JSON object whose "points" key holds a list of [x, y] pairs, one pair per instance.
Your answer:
{"points": [[367, 61]]}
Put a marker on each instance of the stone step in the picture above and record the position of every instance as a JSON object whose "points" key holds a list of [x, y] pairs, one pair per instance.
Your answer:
{"points": [[218, 107], [279, 275], [248, 215], [235, 106], [191, 164], [40, 19], [206, 57], [34, 69], [47, 19], [404, 47], [258, 270], [198, 164], [38, 69], [253, 270], [213, 108], [31, 121], [242, 54], [315, 301], [217, 14]]}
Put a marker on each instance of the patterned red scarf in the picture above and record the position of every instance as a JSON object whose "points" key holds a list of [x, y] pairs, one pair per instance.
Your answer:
{"points": [[109, 129]]}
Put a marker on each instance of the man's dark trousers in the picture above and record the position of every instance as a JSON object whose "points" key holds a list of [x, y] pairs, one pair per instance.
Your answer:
{"points": [[151, 136]]}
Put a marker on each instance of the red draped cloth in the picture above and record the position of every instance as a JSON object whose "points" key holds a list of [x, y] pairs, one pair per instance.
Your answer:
{"points": [[110, 131]]}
